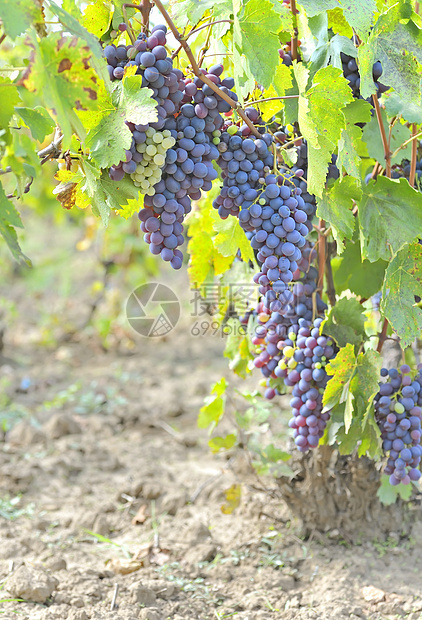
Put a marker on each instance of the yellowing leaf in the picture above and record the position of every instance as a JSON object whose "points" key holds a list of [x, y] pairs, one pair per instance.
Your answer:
{"points": [[231, 238], [233, 497]]}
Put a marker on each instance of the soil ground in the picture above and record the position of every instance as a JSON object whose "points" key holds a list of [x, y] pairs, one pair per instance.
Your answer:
{"points": [[107, 473]]}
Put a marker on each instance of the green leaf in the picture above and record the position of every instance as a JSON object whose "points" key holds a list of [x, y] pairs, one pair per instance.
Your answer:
{"points": [[396, 105], [327, 97], [97, 17], [222, 443], [350, 144], [390, 215], [273, 454], [59, 75], [257, 21], [328, 51], [193, 10], [388, 494], [361, 278], [231, 238], [399, 134], [396, 45], [108, 140], [335, 207], [237, 348], [403, 280], [73, 26], [281, 83], [9, 218], [314, 7], [9, 97], [346, 322], [342, 369], [18, 15], [338, 24], [360, 15], [38, 120], [213, 410]]}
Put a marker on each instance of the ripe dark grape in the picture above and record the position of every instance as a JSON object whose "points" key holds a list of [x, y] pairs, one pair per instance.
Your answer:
{"points": [[398, 412]]}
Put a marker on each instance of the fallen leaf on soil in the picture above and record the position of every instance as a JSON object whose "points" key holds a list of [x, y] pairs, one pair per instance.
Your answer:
{"points": [[141, 516], [124, 567], [233, 495], [373, 595]]}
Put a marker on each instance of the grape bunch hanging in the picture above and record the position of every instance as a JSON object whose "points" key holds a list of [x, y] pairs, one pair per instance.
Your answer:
{"points": [[171, 162]]}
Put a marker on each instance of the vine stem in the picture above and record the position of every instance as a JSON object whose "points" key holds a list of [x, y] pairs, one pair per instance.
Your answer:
{"points": [[418, 135], [199, 73], [322, 255], [382, 336], [2, 38], [293, 42], [413, 158], [331, 290], [273, 99], [219, 21], [387, 152]]}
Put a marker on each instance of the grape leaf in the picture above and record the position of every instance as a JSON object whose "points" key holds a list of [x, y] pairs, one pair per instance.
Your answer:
{"points": [[399, 134], [361, 278], [397, 46], [108, 140], [205, 259], [338, 24], [327, 97], [38, 120], [329, 51], [360, 15], [237, 349], [335, 207], [390, 215], [257, 21], [18, 15], [314, 7], [282, 81], [341, 369], [222, 443], [9, 97], [345, 322], [97, 17], [403, 280], [396, 105], [10, 218], [388, 494], [350, 143], [73, 26], [60, 75], [213, 410], [193, 10], [231, 238]]}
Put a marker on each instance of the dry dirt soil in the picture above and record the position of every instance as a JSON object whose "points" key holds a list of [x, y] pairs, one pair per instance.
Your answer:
{"points": [[110, 502]]}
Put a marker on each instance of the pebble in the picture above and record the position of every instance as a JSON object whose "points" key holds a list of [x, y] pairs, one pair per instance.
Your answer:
{"points": [[143, 595], [61, 424], [150, 614], [31, 584], [205, 552], [55, 564]]}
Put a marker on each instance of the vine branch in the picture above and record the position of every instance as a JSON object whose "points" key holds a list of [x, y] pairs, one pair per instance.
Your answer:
{"points": [[218, 21], [293, 42], [322, 255], [413, 158], [382, 336], [199, 73], [387, 152]]}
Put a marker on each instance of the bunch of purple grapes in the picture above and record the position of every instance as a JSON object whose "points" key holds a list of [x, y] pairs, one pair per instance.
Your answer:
{"points": [[351, 73], [188, 168], [398, 412]]}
